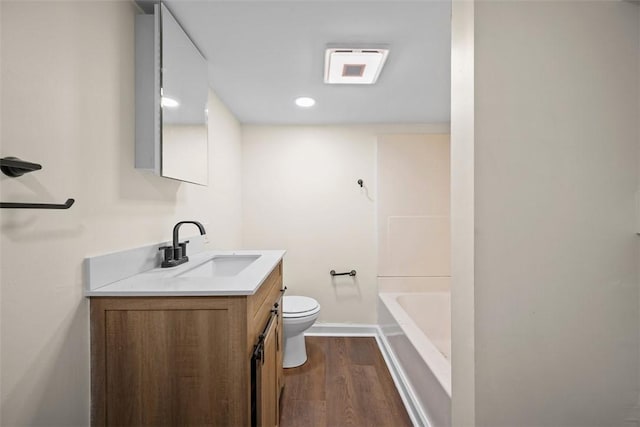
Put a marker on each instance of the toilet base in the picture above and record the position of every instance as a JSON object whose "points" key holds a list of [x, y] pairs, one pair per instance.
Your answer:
{"points": [[295, 351]]}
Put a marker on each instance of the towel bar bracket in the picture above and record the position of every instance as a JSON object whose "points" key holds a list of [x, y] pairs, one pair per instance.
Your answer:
{"points": [[14, 167]]}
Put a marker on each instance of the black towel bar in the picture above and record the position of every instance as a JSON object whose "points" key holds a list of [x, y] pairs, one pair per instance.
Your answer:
{"points": [[14, 167], [13, 205]]}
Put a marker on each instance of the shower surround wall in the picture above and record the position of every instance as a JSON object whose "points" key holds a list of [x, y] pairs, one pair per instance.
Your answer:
{"points": [[414, 243], [67, 102]]}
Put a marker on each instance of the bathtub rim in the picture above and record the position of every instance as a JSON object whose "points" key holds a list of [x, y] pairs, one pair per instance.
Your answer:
{"points": [[437, 362]]}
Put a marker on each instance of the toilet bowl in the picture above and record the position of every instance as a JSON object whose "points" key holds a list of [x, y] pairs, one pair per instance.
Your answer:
{"points": [[298, 314]]}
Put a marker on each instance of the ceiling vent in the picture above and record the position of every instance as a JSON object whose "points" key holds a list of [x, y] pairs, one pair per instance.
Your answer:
{"points": [[353, 66]]}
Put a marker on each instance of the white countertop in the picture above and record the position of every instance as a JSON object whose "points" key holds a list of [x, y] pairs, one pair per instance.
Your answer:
{"points": [[164, 281]]}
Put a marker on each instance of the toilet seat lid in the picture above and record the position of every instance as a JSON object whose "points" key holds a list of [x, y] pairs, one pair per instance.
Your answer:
{"points": [[297, 305]]}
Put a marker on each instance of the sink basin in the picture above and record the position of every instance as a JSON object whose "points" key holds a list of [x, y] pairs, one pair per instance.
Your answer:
{"points": [[221, 266]]}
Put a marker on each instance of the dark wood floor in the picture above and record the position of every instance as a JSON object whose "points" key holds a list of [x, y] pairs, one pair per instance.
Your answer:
{"points": [[345, 382]]}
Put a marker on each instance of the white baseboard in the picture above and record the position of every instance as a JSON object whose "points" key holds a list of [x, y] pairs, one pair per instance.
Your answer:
{"points": [[342, 330], [411, 403], [407, 395]]}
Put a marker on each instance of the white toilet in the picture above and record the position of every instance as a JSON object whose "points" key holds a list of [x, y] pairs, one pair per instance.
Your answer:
{"points": [[298, 314]]}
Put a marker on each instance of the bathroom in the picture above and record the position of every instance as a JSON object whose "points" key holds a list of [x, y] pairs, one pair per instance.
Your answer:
{"points": [[544, 251]]}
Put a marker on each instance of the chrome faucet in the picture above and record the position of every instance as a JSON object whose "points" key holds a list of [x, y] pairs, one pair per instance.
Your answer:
{"points": [[177, 254]]}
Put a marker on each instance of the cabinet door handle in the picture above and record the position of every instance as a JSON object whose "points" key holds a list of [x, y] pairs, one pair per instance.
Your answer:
{"points": [[258, 351]]}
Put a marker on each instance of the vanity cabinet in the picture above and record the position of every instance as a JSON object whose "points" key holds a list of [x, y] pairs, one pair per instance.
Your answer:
{"points": [[187, 360]]}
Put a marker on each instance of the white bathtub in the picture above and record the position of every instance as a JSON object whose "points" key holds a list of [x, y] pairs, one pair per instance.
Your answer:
{"points": [[417, 330]]}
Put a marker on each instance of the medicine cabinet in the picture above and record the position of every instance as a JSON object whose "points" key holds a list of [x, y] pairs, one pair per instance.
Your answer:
{"points": [[171, 100]]}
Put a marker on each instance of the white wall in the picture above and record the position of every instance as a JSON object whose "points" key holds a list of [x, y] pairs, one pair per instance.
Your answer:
{"points": [[556, 255], [68, 102], [462, 214], [300, 194]]}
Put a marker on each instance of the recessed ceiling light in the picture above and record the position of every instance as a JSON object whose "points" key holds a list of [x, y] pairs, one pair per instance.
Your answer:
{"points": [[169, 102], [305, 102]]}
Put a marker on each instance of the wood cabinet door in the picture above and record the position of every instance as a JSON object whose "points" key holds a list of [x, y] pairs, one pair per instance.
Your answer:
{"points": [[168, 362], [267, 396]]}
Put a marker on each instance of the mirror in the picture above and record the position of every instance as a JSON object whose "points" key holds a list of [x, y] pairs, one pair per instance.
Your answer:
{"points": [[184, 101], [171, 100]]}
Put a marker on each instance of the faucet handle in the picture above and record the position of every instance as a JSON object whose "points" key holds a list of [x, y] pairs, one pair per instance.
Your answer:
{"points": [[183, 245], [168, 252]]}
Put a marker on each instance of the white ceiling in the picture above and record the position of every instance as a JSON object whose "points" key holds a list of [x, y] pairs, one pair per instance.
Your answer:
{"points": [[264, 54]]}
